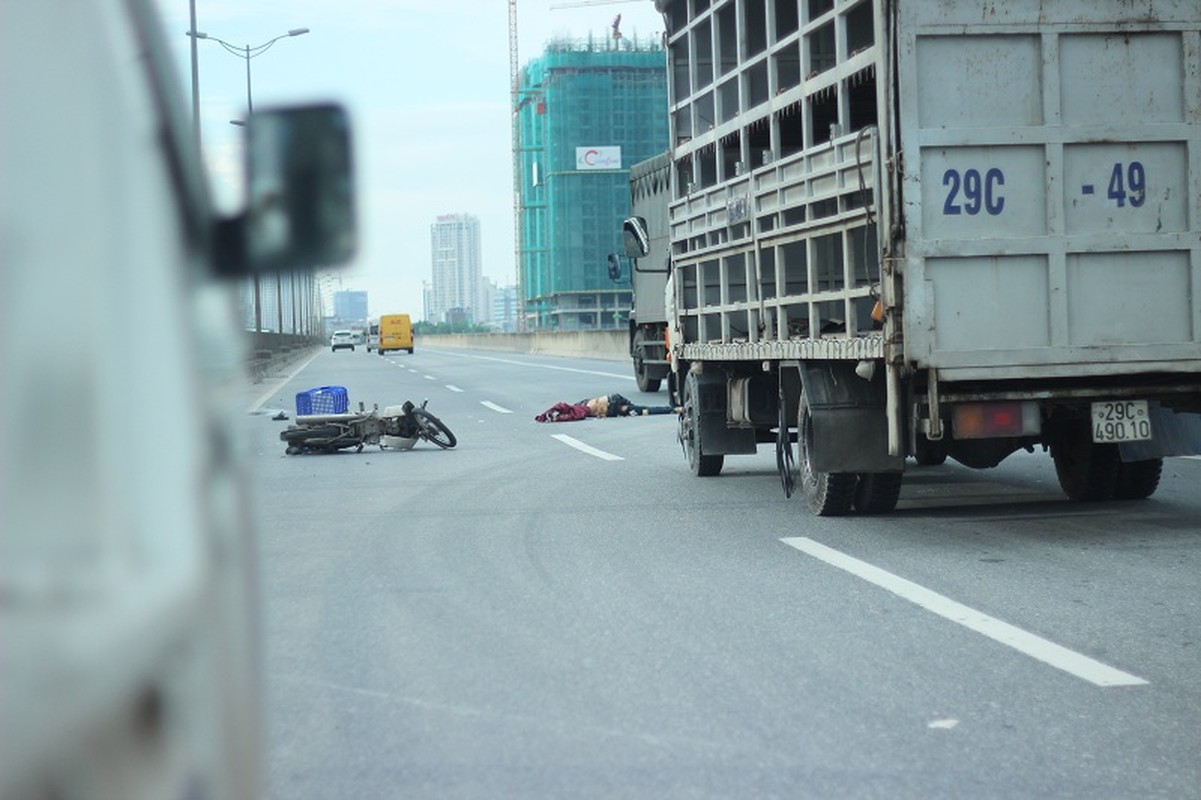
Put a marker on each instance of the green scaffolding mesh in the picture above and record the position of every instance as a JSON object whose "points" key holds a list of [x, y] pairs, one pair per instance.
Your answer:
{"points": [[582, 95]]}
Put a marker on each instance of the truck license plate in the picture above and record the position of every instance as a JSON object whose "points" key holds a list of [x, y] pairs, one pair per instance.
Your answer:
{"points": [[1121, 421]]}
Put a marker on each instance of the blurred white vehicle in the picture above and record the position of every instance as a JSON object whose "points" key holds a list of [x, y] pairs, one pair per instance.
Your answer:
{"points": [[128, 663]]}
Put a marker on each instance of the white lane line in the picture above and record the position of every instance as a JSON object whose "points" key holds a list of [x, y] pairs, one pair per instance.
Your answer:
{"points": [[495, 407], [622, 376], [430, 378], [585, 448], [1023, 641], [453, 388]]}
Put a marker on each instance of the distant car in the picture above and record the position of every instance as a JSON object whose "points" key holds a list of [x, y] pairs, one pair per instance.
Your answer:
{"points": [[341, 339]]}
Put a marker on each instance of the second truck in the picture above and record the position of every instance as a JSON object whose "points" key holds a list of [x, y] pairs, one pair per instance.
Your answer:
{"points": [[900, 229], [650, 251]]}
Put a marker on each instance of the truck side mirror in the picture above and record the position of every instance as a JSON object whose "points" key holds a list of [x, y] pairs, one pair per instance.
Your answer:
{"points": [[300, 210], [637, 242], [614, 267]]}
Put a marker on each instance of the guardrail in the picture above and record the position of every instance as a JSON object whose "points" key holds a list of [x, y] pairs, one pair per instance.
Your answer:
{"points": [[268, 350]]}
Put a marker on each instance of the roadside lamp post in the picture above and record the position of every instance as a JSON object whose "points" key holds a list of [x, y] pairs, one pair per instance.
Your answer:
{"points": [[248, 52]]}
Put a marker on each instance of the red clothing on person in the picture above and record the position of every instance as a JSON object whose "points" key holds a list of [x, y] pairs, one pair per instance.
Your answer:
{"points": [[563, 412]]}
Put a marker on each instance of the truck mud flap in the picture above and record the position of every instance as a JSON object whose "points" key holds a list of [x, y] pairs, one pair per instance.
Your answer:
{"points": [[850, 423], [1175, 434]]}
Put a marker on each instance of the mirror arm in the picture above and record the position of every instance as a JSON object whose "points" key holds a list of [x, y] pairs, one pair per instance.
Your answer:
{"points": [[229, 247], [647, 271]]}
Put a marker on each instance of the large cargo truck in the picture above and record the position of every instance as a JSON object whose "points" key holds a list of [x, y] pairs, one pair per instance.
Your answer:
{"points": [[904, 229]]}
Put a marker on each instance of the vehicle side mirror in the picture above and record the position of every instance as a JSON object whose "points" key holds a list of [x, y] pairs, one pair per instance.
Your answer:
{"points": [[300, 210], [637, 241], [614, 267]]}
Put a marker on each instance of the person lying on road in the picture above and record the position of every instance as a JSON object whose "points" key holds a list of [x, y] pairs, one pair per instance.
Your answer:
{"points": [[609, 405]]}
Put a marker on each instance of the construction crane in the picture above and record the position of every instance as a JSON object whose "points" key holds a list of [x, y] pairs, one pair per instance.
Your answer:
{"points": [[515, 133]]}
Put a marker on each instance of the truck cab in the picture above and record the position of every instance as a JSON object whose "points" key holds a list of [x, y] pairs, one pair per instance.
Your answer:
{"points": [[648, 247]]}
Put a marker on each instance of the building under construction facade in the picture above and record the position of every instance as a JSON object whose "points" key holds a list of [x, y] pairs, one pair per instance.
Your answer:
{"points": [[587, 112]]}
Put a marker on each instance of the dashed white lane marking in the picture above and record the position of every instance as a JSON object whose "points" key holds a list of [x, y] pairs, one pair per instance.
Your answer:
{"points": [[1023, 641], [495, 407], [429, 377], [585, 448], [453, 388]]}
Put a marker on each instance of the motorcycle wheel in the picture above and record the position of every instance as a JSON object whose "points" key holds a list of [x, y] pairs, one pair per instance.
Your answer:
{"points": [[301, 438], [433, 429]]}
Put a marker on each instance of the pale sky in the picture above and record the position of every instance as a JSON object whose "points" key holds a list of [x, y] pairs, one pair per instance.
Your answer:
{"points": [[427, 86]]}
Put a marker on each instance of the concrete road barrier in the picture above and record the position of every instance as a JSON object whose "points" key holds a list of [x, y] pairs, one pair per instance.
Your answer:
{"points": [[607, 345]]}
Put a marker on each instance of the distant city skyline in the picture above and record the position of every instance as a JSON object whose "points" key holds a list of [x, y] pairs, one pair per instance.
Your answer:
{"points": [[427, 86]]}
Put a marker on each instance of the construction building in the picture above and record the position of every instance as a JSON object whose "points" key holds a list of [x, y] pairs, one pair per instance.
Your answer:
{"points": [[587, 111]]}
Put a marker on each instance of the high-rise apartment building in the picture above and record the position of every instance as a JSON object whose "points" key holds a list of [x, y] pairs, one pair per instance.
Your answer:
{"points": [[587, 112], [457, 268], [350, 307], [504, 308]]}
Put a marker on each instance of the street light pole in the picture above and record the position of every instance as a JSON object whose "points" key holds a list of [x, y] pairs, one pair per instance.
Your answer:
{"points": [[195, 79], [245, 52], [249, 101]]}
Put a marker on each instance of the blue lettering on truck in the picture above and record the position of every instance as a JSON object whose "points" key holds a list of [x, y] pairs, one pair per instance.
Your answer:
{"points": [[1132, 189], [979, 192]]}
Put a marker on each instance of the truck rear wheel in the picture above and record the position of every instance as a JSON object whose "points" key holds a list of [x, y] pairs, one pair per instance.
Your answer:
{"points": [[1138, 480], [1087, 472], [702, 465], [827, 494], [877, 492], [645, 382]]}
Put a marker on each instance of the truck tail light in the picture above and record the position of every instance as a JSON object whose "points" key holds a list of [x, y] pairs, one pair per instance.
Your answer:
{"points": [[991, 420]]}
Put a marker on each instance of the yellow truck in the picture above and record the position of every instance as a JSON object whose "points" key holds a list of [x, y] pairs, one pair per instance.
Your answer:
{"points": [[390, 332]]}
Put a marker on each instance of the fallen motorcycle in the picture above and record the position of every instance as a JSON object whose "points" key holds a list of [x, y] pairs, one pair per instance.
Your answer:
{"points": [[394, 428]]}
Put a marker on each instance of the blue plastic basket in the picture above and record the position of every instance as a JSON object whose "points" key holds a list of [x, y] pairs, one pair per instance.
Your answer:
{"points": [[322, 400]]}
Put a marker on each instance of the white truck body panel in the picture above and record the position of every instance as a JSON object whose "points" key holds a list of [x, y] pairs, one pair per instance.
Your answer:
{"points": [[1052, 186]]}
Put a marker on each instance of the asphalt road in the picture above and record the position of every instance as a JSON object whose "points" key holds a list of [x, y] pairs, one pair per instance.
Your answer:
{"points": [[532, 616]]}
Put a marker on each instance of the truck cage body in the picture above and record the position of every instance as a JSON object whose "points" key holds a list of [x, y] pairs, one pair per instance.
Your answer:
{"points": [[1035, 167], [989, 200]]}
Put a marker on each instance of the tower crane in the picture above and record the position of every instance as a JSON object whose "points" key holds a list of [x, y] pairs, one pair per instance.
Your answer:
{"points": [[515, 133]]}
